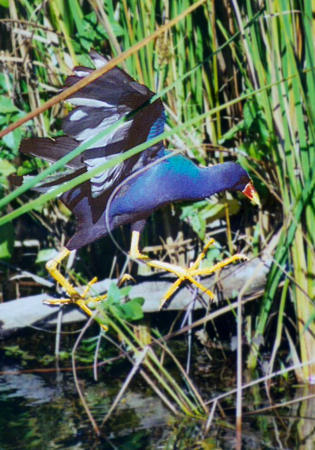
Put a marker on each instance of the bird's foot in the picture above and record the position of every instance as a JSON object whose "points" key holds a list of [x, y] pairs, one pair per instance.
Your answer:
{"points": [[75, 296], [82, 298], [193, 272], [52, 268], [73, 293]]}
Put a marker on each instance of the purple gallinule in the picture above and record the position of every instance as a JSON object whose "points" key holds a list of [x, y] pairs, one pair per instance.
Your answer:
{"points": [[105, 101]]}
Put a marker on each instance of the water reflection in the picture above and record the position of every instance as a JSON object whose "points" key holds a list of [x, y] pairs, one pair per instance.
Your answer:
{"points": [[43, 411]]}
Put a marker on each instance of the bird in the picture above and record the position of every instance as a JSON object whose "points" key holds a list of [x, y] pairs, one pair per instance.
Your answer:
{"points": [[129, 192]]}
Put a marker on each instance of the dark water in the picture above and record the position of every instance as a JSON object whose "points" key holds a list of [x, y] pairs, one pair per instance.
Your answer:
{"points": [[42, 410]]}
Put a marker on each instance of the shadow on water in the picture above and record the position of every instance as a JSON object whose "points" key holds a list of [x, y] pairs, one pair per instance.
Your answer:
{"points": [[40, 410]]}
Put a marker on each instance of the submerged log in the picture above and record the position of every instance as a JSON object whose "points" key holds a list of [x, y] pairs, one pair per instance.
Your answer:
{"points": [[248, 278]]}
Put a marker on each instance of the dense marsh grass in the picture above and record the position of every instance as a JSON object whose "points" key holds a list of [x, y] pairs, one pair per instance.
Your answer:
{"points": [[238, 75]]}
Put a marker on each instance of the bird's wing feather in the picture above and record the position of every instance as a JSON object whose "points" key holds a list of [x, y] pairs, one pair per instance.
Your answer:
{"points": [[110, 98], [51, 149], [101, 104]]}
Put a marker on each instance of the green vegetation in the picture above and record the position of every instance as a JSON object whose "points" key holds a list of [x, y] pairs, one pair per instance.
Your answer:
{"points": [[238, 81]]}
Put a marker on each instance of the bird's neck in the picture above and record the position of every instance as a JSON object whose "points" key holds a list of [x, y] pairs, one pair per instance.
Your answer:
{"points": [[208, 181], [186, 181]]}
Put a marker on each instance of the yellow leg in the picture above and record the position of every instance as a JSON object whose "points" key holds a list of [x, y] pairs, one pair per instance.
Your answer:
{"points": [[134, 252], [184, 274], [52, 267], [73, 293], [84, 300], [190, 274]]}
